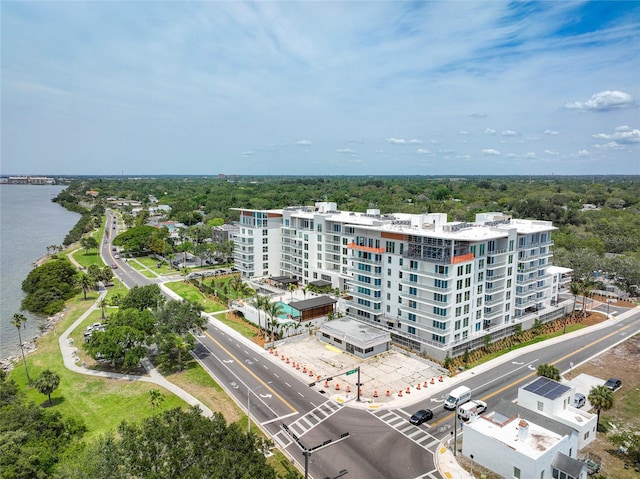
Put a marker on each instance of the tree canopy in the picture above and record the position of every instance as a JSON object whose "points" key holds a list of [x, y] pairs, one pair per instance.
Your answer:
{"points": [[48, 286], [176, 444]]}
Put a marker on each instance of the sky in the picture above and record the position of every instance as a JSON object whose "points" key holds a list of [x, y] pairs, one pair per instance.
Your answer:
{"points": [[320, 88]]}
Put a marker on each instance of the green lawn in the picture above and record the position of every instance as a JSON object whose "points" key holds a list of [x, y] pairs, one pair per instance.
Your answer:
{"points": [[87, 258], [100, 403], [152, 264], [243, 329], [191, 293]]}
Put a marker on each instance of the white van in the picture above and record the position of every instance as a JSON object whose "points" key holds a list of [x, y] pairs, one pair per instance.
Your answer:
{"points": [[457, 397], [475, 407]]}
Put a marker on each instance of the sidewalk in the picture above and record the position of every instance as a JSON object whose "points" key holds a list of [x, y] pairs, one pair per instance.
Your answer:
{"points": [[71, 360]]}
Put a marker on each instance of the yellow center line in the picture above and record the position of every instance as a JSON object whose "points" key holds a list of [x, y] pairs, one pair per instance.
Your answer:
{"points": [[240, 363], [495, 393]]}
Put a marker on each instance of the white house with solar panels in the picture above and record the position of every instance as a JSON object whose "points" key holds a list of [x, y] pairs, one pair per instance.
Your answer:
{"points": [[516, 442], [553, 399]]}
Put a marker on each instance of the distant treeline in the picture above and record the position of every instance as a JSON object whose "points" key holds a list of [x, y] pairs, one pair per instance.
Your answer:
{"points": [[610, 224]]}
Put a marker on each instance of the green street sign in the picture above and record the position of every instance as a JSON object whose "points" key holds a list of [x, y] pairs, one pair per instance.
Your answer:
{"points": [[352, 371]]}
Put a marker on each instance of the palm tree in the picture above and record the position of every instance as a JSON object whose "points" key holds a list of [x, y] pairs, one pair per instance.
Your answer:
{"points": [[18, 320], [574, 289], [600, 398], [274, 310], [587, 288], [156, 398], [261, 303], [47, 382], [549, 371], [85, 282], [102, 304], [292, 288]]}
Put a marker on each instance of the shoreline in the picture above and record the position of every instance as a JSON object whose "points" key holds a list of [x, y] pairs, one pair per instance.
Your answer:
{"points": [[30, 346], [9, 362]]}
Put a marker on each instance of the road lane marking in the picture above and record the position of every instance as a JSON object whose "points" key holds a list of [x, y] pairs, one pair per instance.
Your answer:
{"points": [[254, 375], [524, 378]]}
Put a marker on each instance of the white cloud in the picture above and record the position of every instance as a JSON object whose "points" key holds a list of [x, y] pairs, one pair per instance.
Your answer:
{"points": [[530, 154], [508, 133], [402, 141], [489, 131], [490, 152], [478, 115], [303, 142], [423, 151], [551, 152], [603, 101], [345, 150], [622, 135], [583, 153], [551, 132], [463, 132], [612, 145]]}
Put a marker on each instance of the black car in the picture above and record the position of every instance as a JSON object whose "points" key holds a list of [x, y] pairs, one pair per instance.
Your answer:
{"points": [[613, 384], [423, 415]]}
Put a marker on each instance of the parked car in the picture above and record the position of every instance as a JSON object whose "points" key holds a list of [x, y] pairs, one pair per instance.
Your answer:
{"points": [[114, 266], [475, 407], [423, 415], [579, 400], [613, 383]]}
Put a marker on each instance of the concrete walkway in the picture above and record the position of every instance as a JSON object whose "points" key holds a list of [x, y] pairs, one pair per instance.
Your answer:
{"points": [[71, 361]]}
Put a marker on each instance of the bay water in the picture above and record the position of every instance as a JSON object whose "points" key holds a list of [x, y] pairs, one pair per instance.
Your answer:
{"points": [[29, 222]]}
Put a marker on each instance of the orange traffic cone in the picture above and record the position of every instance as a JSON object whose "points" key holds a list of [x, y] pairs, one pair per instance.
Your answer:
{"points": [[408, 390], [418, 387], [348, 389], [388, 393], [337, 386], [441, 379], [400, 393], [425, 384], [326, 384], [375, 394], [433, 380]]}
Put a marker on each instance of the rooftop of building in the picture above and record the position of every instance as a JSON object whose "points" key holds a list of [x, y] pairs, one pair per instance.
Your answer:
{"points": [[517, 433]]}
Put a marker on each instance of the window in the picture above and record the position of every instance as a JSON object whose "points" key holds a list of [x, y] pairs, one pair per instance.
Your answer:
{"points": [[460, 269], [411, 330], [516, 473], [468, 269], [481, 264], [439, 324], [265, 249], [540, 406], [412, 317]]}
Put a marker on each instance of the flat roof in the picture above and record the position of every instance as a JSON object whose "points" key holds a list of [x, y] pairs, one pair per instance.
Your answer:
{"points": [[283, 279], [312, 303], [355, 332], [320, 283]]}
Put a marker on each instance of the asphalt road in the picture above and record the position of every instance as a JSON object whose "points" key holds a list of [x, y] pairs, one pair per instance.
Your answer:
{"points": [[381, 444]]}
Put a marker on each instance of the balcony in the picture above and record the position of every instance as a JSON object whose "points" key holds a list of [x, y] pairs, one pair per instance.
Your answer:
{"points": [[426, 287], [354, 280], [493, 313]]}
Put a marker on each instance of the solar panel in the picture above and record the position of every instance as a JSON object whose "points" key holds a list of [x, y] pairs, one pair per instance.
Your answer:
{"points": [[547, 388]]}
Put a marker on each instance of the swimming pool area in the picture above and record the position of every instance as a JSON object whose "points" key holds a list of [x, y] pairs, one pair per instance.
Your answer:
{"points": [[287, 311]]}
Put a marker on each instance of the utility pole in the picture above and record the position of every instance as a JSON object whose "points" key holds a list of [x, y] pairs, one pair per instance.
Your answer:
{"points": [[306, 452]]}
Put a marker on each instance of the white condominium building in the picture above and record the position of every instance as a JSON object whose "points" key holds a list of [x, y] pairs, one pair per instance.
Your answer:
{"points": [[439, 287]]}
